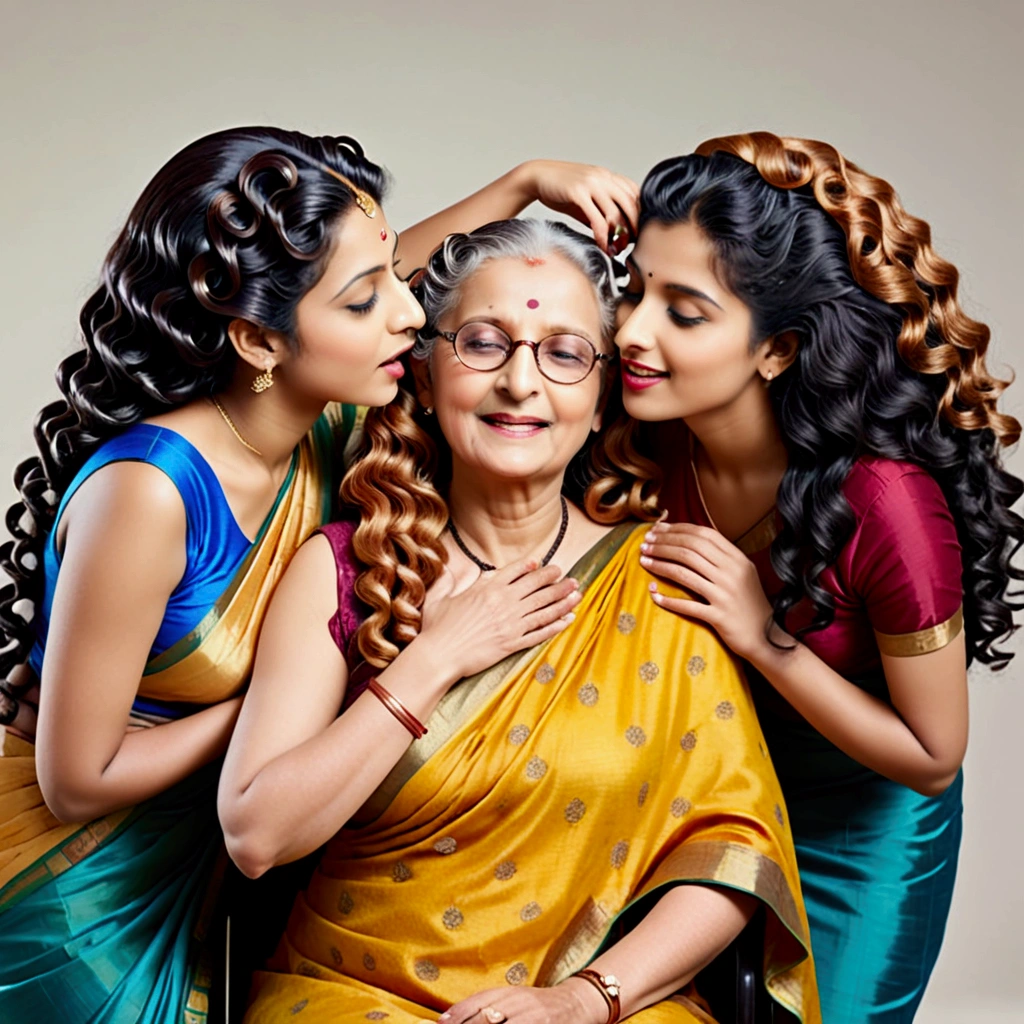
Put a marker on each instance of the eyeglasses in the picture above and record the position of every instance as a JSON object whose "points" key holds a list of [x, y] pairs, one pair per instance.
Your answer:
{"points": [[562, 358]]}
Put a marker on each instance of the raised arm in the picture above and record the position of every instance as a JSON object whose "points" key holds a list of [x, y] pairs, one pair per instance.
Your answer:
{"points": [[296, 771], [124, 552], [596, 197]]}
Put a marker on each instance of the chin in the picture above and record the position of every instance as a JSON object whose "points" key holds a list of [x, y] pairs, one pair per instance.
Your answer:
{"points": [[649, 410], [371, 395]]}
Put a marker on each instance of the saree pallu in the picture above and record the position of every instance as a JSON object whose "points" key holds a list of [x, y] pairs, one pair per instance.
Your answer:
{"points": [[554, 799], [105, 921]]}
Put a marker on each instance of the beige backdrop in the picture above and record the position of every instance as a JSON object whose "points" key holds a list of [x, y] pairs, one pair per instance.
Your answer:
{"points": [[449, 95]]}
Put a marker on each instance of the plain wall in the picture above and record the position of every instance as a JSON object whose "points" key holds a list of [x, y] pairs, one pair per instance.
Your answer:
{"points": [[449, 95]]}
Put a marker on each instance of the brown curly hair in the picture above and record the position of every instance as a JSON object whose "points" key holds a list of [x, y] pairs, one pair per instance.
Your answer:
{"points": [[891, 257]]}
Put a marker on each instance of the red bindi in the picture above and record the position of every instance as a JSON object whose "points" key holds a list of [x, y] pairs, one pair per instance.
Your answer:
{"points": [[533, 261], [383, 234], [532, 304]]}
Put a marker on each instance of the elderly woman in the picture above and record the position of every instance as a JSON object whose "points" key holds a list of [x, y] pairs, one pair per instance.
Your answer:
{"points": [[543, 797]]}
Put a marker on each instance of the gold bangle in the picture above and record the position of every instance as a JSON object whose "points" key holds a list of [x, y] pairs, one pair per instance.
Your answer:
{"points": [[608, 986]]}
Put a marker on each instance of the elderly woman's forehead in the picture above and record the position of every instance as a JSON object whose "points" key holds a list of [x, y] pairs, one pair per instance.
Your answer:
{"points": [[523, 287]]}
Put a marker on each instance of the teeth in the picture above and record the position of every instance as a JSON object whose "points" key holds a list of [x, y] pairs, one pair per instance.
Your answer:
{"points": [[637, 372]]}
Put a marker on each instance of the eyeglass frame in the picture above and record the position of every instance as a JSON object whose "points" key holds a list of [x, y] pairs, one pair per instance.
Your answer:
{"points": [[533, 345]]}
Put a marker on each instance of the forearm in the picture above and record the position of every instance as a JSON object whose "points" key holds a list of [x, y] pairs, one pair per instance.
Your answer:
{"points": [[684, 931], [506, 197], [866, 728], [303, 797], [147, 762]]}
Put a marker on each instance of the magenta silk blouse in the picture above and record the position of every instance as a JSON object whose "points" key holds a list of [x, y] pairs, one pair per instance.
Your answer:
{"points": [[897, 580]]}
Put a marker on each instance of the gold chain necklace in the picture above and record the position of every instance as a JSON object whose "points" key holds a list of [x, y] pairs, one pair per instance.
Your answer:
{"points": [[231, 425]]}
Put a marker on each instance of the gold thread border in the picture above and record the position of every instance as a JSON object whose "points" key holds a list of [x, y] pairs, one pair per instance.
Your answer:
{"points": [[923, 641]]}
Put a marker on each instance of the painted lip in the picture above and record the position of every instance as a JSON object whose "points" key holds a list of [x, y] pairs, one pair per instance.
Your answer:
{"points": [[638, 382], [393, 360], [514, 426]]}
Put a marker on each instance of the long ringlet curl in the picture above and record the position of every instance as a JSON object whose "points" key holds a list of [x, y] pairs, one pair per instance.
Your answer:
{"points": [[402, 518], [891, 256], [887, 364], [236, 225], [399, 478]]}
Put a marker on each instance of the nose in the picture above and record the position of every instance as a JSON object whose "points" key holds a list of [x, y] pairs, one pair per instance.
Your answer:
{"points": [[635, 333], [407, 313], [520, 378]]}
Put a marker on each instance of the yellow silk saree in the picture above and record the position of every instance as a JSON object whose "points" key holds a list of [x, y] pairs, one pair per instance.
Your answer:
{"points": [[555, 796]]}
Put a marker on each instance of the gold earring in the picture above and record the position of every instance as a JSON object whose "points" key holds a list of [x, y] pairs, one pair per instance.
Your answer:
{"points": [[263, 380]]}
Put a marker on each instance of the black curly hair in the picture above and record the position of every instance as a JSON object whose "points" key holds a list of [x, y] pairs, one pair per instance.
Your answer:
{"points": [[236, 225], [887, 364]]}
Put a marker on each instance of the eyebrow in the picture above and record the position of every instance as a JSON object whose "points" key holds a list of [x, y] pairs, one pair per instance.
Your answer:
{"points": [[683, 289], [495, 322], [366, 273]]}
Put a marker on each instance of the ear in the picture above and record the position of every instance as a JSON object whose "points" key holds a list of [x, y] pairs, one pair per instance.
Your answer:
{"points": [[260, 348], [777, 353], [421, 376]]}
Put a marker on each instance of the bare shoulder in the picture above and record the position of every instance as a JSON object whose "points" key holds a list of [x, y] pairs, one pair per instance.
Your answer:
{"points": [[128, 493], [311, 579]]}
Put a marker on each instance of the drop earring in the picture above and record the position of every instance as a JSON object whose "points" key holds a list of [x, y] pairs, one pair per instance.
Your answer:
{"points": [[263, 380]]}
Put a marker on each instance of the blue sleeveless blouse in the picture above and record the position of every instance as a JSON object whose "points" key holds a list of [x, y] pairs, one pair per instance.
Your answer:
{"points": [[214, 543]]}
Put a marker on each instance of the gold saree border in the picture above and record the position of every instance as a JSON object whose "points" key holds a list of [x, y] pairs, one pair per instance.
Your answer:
{"points": [[65, 854], [458, 705], [706, 862], [923, 641], [760, 535]]}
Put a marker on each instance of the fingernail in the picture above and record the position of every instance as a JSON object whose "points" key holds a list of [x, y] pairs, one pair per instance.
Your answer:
{"points": [[645, 547], [571, 617], [657, 598], [644, 560], [649, 539], [652, 587]]}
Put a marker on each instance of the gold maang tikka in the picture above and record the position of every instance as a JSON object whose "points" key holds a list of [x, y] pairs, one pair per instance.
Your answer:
{"points": [[364, 201]]}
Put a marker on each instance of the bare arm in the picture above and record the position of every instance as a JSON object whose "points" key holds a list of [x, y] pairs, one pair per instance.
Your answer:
{"points": [[124, 553], [919, 740], [296, 771], [658, 957], [595, 196]]}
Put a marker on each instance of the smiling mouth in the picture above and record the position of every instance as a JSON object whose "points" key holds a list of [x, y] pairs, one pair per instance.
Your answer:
{"points": [[515, 425], [640, 370]]}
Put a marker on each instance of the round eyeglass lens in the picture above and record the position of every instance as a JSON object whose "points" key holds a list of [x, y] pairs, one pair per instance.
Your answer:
{"points": [[565, 358], [482, 346]]}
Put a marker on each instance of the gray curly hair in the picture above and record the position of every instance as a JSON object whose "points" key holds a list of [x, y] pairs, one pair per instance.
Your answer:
{"points": [[460, 256]]}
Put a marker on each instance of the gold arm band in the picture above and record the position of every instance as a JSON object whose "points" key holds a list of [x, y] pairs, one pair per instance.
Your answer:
{"points": [[924, 641]]}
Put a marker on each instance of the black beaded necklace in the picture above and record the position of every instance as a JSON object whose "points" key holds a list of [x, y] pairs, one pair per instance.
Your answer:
{"points": [[487, 567]]}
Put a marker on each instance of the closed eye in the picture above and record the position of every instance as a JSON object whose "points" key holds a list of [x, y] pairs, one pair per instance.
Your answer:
{"points": [[364, 307], [685, 321]]}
